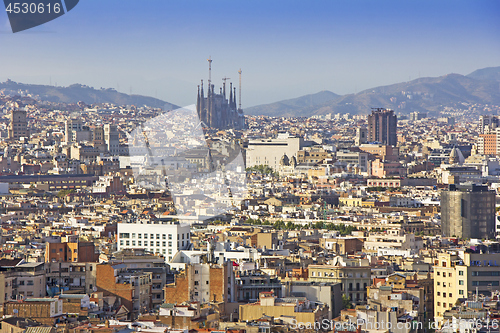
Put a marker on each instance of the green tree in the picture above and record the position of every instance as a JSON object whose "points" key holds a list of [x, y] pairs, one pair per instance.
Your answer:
{"points": [[346, 302]]}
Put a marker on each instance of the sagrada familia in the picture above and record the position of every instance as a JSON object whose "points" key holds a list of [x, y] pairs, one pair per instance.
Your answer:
{"points": [[216, 111]]}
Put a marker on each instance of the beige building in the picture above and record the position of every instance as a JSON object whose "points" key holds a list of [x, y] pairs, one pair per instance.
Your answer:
{"points": [[458, 275], [270, 151], [289, 309], [353, 274]]}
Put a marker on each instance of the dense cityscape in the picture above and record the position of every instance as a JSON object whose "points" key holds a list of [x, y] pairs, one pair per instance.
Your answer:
{"points": [[121, 218]]}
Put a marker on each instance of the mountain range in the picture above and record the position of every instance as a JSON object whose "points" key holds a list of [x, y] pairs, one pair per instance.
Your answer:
{"points": [[429, 94], [78, 92]]}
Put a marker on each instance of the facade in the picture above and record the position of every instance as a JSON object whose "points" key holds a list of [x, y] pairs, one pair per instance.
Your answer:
{"points": [[354, 158], [361, 136], [269, 151], [488, 123], [487, 144], [111, 138], [291, 308], [164, 238], [459, 275], [382, 127], [354, 277], [70, 252], [128, 287], [468, 211], [18, 126], [203, 283]]}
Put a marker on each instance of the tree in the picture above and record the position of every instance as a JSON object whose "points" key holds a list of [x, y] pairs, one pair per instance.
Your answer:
{"points": [[346, 302]]}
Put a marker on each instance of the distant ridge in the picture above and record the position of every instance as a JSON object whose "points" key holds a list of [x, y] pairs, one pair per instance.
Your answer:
{"points": [[78, 92], [488, 73], [290, 107], [429, 94]]}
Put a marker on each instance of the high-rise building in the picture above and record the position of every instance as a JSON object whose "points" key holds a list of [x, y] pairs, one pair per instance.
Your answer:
{"points": [[382, 127], [361, 136], [488, 123], [111, 138], [18, 125], [468, 211]]}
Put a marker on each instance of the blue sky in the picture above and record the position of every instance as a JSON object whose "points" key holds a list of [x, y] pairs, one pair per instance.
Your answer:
{"points": [[284, 48]]}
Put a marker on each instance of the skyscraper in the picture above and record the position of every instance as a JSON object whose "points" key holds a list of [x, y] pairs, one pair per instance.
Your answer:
{"points": [[382, 127], [18, 126], [468, 211]]}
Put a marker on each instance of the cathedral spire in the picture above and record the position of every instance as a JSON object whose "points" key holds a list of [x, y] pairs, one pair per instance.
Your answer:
{"points": [[234, 99], [230, 94]]}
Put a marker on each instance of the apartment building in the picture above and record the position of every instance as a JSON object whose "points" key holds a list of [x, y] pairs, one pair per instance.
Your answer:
{"points": [[165, 238]]}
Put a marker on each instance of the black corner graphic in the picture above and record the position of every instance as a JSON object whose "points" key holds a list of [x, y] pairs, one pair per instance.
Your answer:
{"points": [[27, 14]]}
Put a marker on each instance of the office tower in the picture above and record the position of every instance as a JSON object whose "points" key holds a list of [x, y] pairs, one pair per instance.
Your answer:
{"points": [[382, 126], [18, 126], [468, 211]]}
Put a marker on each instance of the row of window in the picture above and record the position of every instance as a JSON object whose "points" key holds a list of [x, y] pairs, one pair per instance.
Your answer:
{"points": [[152, 236], [150, 243]]}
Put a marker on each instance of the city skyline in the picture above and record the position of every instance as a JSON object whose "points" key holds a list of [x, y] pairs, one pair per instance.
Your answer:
{"points": [[285, 49]]}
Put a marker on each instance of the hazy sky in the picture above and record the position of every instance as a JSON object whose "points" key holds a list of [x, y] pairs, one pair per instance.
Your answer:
{"points": [[284, 48]]}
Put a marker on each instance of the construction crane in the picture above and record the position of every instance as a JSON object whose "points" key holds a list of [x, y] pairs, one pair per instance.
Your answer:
{"points": [[209, 72]]}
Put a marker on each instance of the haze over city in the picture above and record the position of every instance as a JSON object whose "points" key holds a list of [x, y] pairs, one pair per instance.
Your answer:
{"points": [[285, 48]]}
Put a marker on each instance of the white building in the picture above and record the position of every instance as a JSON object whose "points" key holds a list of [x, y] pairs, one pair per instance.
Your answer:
{"points": [[269, 151], [165, 238]]}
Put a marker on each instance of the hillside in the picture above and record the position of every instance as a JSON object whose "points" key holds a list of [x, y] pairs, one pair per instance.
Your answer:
{"points": [[77, 92], [430, 94]]}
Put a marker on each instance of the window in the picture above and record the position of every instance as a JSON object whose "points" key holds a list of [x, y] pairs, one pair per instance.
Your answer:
{"points": [[438, 283], [124, 235], [450, 295], [170, 244], [30, 282], [438, 273], [439, 293], [461, 282], [449, 274], [460, 272], [444, 294], [169, 236], [182, 236], [121, 242], [196, 293], [460, 292], [133, 235], [164, 236], [196, 283], [158, 243], [127, 243], [133, 243], [164, 243], [157, 236], [139, 243], [139, 236], [145, 236]]}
